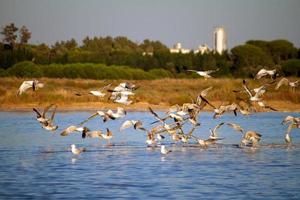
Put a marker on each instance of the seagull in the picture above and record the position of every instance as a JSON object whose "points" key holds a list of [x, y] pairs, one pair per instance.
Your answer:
{"points": [[221, 109], [108, 135], [207, 142], [48, 124], [97, 93], [258, 93], [285, 81], [164, 150], [120, 113], [122, 97], [205, 74], [92, 134], [29, 84], [292, 119], [41, 117], [120, 93], [150, 139], [76, 151], [264, 72], [213, 133], [137, 124], [251, 137], [72, 129], [199, 100], [294, 123]]}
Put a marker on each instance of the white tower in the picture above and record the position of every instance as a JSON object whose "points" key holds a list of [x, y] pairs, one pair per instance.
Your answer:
{"points": [[220, 39]]}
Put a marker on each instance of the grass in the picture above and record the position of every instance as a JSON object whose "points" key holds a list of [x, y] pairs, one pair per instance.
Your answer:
{"points": [[158, 93]]}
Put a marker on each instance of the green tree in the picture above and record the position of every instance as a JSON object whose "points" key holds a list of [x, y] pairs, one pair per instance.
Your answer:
{"points": [[291, 67], [246, 59], [10, 36], [25, 35]]}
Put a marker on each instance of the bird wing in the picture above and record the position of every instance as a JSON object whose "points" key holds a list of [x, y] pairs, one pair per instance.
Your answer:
{"points": [[261, 73], [283, 81], [203, 99], [25, 86], [127, 124], [190, 70], [68, 130], [235, 126], [155, 115], [246, 88], [105, 87], [211, 71], [205, 91], [37, 112], [217, 127], [53, 114], [89, 118], [46, 110]]}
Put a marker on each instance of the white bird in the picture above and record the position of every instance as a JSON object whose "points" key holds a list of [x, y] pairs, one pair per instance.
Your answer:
{"points": [[251, 137], [286, 82], [122, 91], [137, 124], [92, 134], [264, 72], [257, 95], [76, 151], [29, 84], [122, 97], [120, 113], [99, 93], [205, 74], [150, 139], [164, 150], [72, 129], [294, 123]]}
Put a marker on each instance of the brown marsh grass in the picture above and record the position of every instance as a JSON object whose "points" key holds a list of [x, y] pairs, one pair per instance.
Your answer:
{"points": [[158, 93]]}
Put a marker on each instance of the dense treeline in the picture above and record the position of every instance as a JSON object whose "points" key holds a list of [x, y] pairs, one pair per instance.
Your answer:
{"points": [[150, 59]]}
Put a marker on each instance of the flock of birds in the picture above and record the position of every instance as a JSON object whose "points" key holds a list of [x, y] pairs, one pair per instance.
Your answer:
{"points": [[173, 121]]}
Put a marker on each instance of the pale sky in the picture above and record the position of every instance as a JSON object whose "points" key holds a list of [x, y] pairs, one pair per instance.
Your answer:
{"points": [[190, 22]]}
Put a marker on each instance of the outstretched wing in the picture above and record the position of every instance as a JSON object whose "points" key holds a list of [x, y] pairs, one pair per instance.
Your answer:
{"points": [[246, 88], [46, 110], [89, 118], [127, 124], [283, 81], [53, 114], [217, 127], [203, 99], [205, 91], [37, 112], [25, 86]]}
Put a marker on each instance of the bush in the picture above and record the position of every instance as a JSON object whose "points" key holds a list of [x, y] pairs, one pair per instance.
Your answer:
{"points": [[291, 67], [25, 69]]}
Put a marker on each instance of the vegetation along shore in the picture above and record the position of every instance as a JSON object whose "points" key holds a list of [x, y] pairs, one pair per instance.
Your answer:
{"points": [[159, 94]]}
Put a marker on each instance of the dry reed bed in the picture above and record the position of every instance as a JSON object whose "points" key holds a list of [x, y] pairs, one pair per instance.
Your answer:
{"points": [[159, 93]]}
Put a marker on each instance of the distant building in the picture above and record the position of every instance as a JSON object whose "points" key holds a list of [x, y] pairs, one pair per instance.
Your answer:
{"points": [[220, 39], [177, 48], [202, 49]]}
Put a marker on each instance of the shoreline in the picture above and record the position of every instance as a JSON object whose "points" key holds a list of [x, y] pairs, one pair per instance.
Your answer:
{"points": [[135, 107]]}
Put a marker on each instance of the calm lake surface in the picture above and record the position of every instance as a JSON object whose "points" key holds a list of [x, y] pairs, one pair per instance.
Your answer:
{"points": [[38, 164]]}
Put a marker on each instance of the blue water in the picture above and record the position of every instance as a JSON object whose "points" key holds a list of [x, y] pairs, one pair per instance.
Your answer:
{"points": [[37, 164]]}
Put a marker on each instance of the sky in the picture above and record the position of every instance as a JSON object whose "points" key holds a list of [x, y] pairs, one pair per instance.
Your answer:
{"points": [[190, 22]]}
